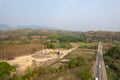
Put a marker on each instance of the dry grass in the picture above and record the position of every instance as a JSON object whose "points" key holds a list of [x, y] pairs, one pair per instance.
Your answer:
{"points": [[10, 51], [72, 74]]}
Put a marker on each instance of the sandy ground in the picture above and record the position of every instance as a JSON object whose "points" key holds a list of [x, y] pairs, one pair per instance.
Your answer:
{"points": [[25, 61]]}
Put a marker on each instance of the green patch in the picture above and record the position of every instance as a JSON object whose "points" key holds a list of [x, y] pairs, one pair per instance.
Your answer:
{"points": [[59, 45], [89, 45], [85, 75], [5, 70], [112, 58]]}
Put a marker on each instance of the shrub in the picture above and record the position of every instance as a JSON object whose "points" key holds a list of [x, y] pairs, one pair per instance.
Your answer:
{"points": [[80, 61], [85, 75], [51, 46], [65, 45], [112, 60], [114, 52], [5, 70], [73, 63]]}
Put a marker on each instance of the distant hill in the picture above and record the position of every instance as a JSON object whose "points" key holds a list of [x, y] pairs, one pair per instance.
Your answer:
{"points": [[5, 27], [61, 35], [33, 27]]}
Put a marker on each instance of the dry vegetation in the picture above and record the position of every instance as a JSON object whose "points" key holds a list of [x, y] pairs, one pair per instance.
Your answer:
{"points": [[66, 73], [22, 42], [9, 51]]}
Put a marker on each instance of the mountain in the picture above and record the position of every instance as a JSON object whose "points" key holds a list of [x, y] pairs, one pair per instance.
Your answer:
{"points": [[5, 27], [33, 27]]}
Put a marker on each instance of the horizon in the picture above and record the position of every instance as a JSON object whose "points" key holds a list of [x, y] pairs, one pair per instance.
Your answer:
{"points": [[69, 15], [52, 28], [59, 29]]}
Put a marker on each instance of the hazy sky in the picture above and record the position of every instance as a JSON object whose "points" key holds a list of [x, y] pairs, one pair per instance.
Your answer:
{"points": [[80, 15]]}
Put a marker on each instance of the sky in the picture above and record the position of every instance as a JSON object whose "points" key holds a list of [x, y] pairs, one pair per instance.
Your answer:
{"points": [[76, 15]]}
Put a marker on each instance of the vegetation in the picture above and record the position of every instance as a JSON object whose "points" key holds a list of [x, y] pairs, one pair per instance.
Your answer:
{"points": [[77, 62], [5, 70], [26, 41], [85, 75], [9, 51], [104, 36], [73, 63], [59, 45], [71, 39], [26, 35], [79, 67], [112, 60], [89, 45]]}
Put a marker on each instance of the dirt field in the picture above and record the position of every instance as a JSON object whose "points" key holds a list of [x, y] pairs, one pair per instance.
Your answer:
{"points": [[41, 59]]}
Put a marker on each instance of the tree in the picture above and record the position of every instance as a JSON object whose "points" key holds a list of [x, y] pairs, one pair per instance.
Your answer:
{"points": [[85, 75], [51, 46], [73, 63], [5, 70], [114, 52], [112, 58]]}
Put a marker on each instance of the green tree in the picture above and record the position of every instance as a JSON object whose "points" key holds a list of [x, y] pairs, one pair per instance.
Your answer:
{"points": [[85, 75], [114, 52], [51, 46], [112, 58], [73, 63], [5, 70]]}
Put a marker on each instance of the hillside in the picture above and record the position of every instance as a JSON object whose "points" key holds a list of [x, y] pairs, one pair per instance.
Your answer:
{"points": [[62, 36], [5, 27], [32, 27], [25, 42]]}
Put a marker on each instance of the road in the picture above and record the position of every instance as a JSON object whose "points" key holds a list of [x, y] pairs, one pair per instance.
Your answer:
{"points": [[100, 70]]}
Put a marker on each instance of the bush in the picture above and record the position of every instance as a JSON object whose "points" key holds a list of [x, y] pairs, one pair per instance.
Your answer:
{"points": [[73, 63], [112, 58], [64, 38], [59, 45], [51, 46], [80, 61], [5, 70], [114, 52], [85, 75], [108, 59], [115, 67], [65, 45]]}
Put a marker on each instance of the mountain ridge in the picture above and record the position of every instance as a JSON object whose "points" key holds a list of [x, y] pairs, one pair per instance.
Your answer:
{"points": [[5, 27]]}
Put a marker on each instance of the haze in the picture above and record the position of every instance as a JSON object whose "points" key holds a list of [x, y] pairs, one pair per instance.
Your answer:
{"points": [[77, 15]]}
